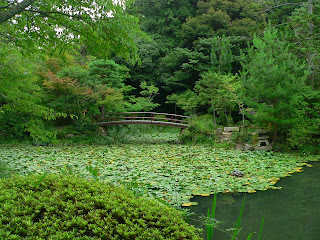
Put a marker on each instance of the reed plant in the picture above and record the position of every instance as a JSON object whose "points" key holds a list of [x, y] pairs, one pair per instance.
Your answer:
{"points": [[212, 223]]}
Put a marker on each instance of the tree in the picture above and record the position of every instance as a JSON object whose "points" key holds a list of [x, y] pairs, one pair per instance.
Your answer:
{"points": [[188, 101], [218, 91], [304, 33], [215, 92], [218, 17], [299, 20], [274, 80], [163, 19], [103, 26], [107, 73], [67, 94], [221, 55], [98, 85], [21, 97], [145, 101]]}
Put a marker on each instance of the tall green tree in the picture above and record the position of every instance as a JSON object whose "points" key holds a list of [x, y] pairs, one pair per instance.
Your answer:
{"points": [[218, 17], [163, 19], [275, 81], [305, 36], [21, 97], [218, 92], [221, 55]]}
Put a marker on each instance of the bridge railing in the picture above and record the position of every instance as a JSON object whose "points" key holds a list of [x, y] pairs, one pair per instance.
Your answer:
{"points": [[143, 116]]}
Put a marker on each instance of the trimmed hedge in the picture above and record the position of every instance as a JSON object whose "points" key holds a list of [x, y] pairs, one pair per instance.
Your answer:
{"points": [[67, 207]]}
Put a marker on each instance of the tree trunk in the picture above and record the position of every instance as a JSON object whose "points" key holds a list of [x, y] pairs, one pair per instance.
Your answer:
{"points": [[310, 36], [102, 112], [14, 10], [275, 134], [214, 117], [242, 113], [225, 113]]}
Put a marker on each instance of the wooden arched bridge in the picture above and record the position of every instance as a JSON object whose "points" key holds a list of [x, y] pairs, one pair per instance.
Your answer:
{"points": [[164, 119]]}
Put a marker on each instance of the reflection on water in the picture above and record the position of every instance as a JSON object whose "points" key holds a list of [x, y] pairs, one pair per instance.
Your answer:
{"points": [[292, 213]]}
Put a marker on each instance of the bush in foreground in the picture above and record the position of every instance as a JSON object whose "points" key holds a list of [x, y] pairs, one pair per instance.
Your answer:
{"points": [[66, 207]]}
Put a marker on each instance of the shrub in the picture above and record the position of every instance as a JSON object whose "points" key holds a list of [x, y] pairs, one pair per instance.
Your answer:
{"points": [[67, 207], [201, 130], [85, 126], [5, 171]]}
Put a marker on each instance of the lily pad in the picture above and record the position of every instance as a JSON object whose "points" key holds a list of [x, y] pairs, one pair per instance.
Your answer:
{"points": [[172, 172]]}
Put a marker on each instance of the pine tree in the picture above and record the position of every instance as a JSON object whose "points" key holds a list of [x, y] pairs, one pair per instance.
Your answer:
{"points": [[274, 80]]}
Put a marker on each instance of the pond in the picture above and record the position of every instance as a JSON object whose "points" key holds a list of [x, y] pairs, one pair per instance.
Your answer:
{"points": [[292, 213]]}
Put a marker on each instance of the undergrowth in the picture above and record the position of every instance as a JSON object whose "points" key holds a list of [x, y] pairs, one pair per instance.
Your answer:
{"points": [[67, 207]]}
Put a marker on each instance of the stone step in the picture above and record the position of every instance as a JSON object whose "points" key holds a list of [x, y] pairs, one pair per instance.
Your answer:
{"points": [[263, 148], [231, 129], [227, 133], [263, 137], [259, 131]]}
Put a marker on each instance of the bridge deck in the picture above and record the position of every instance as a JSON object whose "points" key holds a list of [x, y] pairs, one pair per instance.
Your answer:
{"points": [[164, 119], [162, 123]]}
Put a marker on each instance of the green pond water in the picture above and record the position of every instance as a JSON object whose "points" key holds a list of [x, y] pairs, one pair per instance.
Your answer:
{"points": [[292, 213]]}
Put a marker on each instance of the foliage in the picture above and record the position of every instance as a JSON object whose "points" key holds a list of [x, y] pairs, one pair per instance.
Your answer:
{"points": [[201, 130], [168, 171], [242, 137], [188, 101], [274, 80], [67, 207], [163, 19], [152, 134], [302, 31], [12, 125], [118, 134], [108, 73], [215, 92], [221, 55], [179, 69], [215, 18], [305, 134], [87, 90], [219, 93], [5, 171], [85, 126], [143, 103], [67, 95], [19, 89], [21, 108], [104, 27]]}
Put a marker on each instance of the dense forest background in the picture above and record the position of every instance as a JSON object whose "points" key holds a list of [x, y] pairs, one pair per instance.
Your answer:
{"points": [[231, 62]]}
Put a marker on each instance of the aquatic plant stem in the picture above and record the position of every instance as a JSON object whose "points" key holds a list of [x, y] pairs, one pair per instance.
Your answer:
{"points": [[211, 216], [237, 230], [261, 227]]}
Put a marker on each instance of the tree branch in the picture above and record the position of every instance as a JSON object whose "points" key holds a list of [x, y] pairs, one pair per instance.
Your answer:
{"points": [[281, 5], [14, 10], [54, 12], [8, 5]]}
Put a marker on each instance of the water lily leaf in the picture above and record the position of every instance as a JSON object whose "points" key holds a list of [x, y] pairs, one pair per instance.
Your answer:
{"points": [[171, 172]]}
